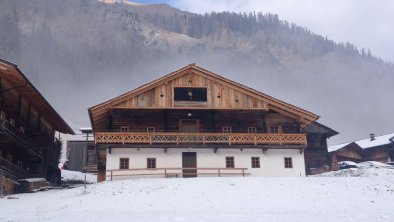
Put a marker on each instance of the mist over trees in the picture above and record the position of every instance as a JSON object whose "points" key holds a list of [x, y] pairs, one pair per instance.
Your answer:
{"points": [[82, 52]]}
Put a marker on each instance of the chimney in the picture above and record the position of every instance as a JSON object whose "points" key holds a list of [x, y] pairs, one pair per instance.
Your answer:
{"points": [[372, 136]]}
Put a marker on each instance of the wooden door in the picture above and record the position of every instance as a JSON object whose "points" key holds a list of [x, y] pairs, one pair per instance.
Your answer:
{"points": [[189, 160], [189, 126]]}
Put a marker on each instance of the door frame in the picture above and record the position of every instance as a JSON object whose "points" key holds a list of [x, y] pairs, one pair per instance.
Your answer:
{"points": [[197, 121], [190, 173]]}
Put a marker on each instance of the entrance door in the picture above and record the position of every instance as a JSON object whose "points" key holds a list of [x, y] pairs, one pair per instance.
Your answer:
{"points": [[189, 125], [189, 160]]}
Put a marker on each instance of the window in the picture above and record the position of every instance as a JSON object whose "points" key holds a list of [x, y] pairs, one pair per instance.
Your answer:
{"points": [[124, 163], [275, 129], [151, 163], [190, 94], [288, 162], [229, 162], [150, 129], [255, 162], [252, 130], [227, 129], [124, 129]]}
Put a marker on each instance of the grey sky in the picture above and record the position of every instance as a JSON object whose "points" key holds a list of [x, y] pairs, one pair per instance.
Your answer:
{"points": [[365, 23]]}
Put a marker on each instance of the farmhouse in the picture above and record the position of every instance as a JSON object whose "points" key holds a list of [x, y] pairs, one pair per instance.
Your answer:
{"points": [[375, 148], [193, 122], [28, 147]]}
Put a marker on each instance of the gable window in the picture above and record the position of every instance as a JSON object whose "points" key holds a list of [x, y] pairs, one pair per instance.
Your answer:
{"points": [[255, 162], [124, 163], [190, 94], [252, 130], [288, 162], [229, 162], [151, 163], [227, 129]]}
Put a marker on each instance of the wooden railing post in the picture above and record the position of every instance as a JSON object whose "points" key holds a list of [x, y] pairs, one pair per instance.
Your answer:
{"points": [[243, 172], [255, 139], [111, 175], [280, 139], [165, 173], [218, 172]]}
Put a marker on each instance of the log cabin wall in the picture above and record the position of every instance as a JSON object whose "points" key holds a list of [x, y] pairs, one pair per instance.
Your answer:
{"points": [[316, 155], [378, 153], [208, 120]]}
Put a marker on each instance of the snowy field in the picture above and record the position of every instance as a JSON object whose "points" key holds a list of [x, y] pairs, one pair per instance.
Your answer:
{"points": [[330, 198]]}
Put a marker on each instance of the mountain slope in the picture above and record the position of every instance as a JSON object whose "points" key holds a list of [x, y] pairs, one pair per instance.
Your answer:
{"points": [[82, 52]]}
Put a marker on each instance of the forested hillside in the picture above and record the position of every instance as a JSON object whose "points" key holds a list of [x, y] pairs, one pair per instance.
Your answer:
{"points": [[82, 52]]}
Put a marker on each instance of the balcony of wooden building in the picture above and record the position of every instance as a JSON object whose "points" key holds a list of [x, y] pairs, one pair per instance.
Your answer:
{"points": [[17, 135], [201, 138]]}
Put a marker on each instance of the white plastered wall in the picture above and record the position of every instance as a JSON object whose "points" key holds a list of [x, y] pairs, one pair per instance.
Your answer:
{"points": [[271, 161]]}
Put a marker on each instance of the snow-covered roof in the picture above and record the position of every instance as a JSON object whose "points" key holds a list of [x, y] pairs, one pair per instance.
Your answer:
{"points": [[366, 143], [337, 147]]}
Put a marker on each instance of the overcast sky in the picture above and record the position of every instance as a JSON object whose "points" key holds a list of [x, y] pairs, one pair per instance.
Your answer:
{"points": [[365, 23]]}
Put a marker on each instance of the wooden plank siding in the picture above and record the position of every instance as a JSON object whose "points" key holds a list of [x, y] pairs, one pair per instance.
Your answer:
{"points": [[219, 96]]}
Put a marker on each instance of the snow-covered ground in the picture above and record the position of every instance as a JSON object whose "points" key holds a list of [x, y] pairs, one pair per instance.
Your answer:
{"points": [[77, 177], [303, 199]]}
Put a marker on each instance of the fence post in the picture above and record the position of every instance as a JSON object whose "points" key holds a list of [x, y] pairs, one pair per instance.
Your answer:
{"points": [[165, 173], [243, 172], [219, 172], [111, 175], [1, 183]]}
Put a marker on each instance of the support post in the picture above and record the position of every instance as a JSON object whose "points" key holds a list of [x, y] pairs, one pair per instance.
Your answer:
{"points": [[111, 175], [218, 172], [1, 184]]}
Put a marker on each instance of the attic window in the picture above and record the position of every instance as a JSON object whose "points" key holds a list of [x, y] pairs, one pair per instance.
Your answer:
{"points": [[190, 94]]}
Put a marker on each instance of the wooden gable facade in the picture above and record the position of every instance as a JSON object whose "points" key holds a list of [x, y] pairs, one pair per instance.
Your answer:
{"points": [[219, 94]]}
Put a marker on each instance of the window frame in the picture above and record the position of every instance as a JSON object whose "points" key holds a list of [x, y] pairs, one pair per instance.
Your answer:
{"points": [[203, 94], [230, 162], [288, 161], [254, 163], [124, 129], [151, 163], [252, 130], [151, 129], [227, 129], [124, 165]]}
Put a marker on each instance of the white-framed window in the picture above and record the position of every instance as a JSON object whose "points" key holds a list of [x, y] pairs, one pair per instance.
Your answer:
{"points": [[227, 129]]}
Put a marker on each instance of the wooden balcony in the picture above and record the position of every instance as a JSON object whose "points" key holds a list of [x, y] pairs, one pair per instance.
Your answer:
{"points": [[201, 138]]}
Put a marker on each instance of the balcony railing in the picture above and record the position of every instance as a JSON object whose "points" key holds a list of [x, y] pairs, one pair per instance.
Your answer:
{"points": [[27, 141], [201, 138], [13, 171]]}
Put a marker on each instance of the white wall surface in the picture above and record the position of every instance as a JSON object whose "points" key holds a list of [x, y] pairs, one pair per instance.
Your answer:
{"points": [[271, 162]]}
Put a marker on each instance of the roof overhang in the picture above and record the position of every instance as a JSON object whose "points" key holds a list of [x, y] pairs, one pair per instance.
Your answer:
{"points": [[18, 80]]}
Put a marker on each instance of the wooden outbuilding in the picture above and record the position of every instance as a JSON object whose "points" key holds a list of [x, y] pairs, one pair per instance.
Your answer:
{"points": [[374, 148]]}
